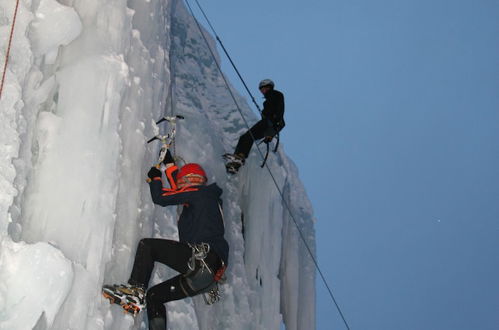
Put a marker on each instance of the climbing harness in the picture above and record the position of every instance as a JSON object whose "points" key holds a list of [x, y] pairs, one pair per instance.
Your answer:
{"points": [[168, 139], [300, 232], [7, 53], [200, 278]]}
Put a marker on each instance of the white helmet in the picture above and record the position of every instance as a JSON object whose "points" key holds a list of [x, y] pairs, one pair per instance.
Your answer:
{"points": [[266, 82]]}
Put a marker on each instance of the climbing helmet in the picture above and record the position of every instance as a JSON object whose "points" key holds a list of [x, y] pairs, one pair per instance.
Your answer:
{"points": [[265, 83], [191, 174]]}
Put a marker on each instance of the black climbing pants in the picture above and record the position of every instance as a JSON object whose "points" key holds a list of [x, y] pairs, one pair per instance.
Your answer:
{"points": [[176, 256], [260, 130]]}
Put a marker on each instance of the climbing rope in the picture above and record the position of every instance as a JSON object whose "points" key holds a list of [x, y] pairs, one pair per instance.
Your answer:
{"points": [[7, 53], [302, 236]]}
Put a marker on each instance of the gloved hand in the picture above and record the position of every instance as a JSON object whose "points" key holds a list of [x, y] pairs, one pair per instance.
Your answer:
{"points": [[154, 173], [268, 139]]}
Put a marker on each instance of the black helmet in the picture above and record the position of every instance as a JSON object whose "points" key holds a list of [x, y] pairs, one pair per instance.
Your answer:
{"points": [[265, 83]]}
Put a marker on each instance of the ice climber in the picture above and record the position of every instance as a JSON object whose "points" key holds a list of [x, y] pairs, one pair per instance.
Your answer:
{"points": [[200, 255], [271, 123]]}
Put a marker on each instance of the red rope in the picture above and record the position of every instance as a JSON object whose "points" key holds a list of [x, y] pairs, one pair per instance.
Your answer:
{"points": [[8, 48]]}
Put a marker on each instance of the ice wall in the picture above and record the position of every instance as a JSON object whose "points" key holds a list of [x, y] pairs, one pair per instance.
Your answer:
{"points": [[85, 82], [35, 278]]}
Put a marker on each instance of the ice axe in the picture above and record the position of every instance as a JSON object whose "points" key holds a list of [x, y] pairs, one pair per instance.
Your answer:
{"points": [[168, 139]]}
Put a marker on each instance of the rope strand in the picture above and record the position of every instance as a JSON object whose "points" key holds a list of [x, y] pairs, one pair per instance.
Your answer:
{"points": [[7, 54], [302, 236]]}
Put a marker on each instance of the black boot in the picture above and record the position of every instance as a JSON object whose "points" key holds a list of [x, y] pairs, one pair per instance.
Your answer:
{"points": [[234, 162], [130, 297]]}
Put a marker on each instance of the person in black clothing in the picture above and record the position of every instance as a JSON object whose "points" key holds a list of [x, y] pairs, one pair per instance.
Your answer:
{"points": [[200, 256], [271, 123]]}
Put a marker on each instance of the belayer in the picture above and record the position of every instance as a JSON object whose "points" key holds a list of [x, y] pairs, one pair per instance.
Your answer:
{"points": [[272, 123], [200, 255]]}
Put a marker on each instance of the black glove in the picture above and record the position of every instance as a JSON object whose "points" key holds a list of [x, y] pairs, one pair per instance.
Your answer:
{"points": [[154, 173]]}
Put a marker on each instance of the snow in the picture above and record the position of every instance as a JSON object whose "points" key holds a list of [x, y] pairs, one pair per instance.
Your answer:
{"points": [[86, 80], [54, 25], [46, 277]]}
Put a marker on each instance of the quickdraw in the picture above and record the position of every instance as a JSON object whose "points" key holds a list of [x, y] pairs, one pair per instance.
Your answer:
{"points": [[199, 252], [201, 279]]}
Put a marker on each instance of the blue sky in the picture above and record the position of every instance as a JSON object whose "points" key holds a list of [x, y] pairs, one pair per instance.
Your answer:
{"points": [[392, 111]]}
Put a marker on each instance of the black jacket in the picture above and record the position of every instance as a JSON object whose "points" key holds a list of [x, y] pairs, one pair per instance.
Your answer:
{"points": [[273, 108], [201, 218]]}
